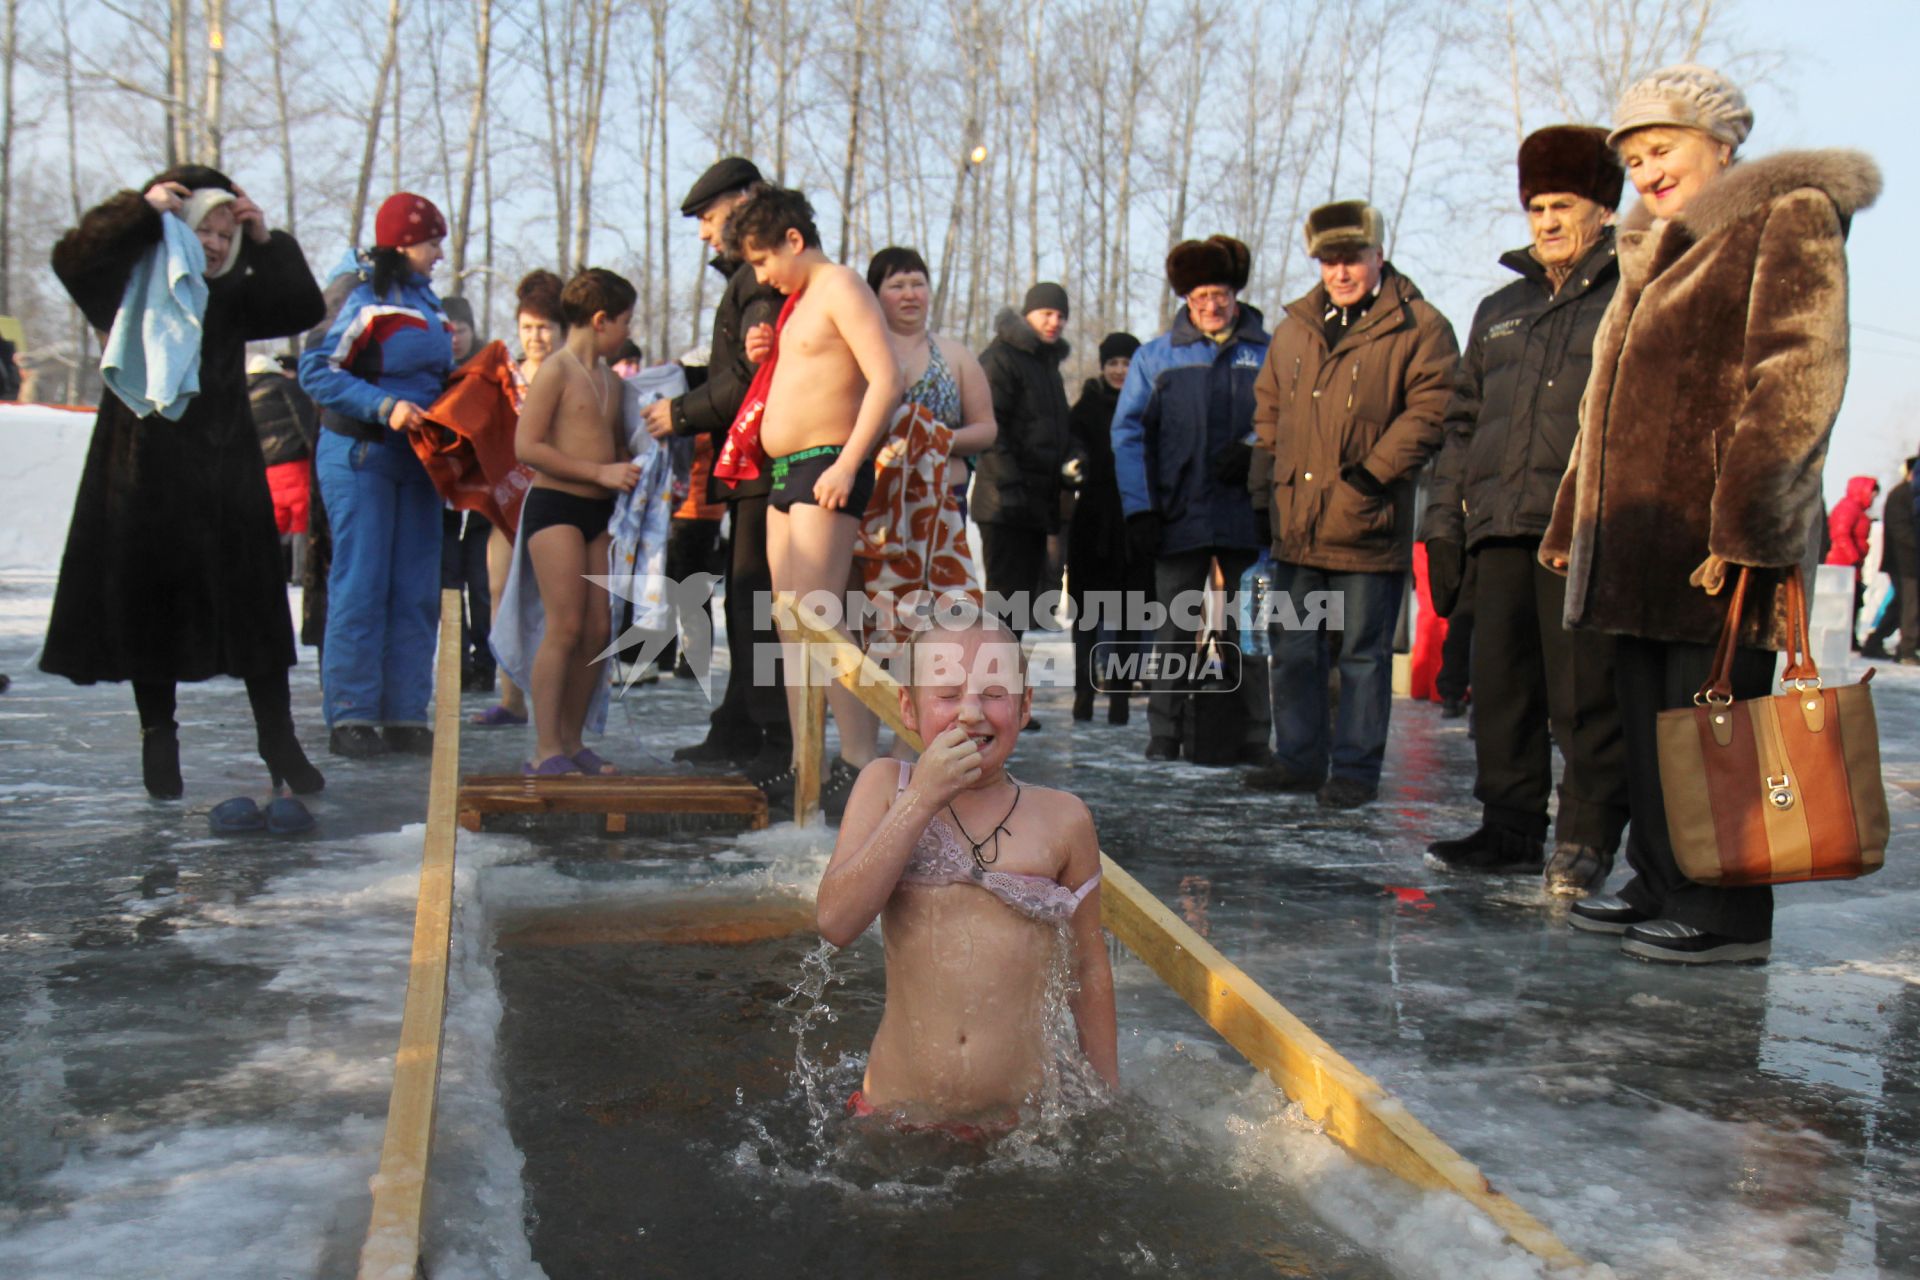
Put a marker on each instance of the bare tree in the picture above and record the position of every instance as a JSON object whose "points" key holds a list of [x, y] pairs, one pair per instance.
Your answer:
{"points": [[12, 21], [283, 112], [476, 122], [371, 143], [212, 97]]}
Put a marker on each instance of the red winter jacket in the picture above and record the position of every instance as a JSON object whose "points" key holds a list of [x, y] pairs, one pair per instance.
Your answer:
{"points": [[1848, 524]]}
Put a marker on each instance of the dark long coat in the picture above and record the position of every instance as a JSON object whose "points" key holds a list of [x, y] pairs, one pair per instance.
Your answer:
{"points": [[1017, 480], [172, 568], [1097, 535], [1717, 374]]}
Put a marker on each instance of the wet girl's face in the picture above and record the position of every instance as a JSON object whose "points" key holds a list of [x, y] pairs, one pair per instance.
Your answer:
{"points": [[216, 232], [971, 679], [539, 335]]}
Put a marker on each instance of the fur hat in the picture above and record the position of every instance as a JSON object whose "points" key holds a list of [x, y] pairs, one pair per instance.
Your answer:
{"points": [[1570, 159], [1345, 224], [405, 220], [1215, 260], [194, 212], [1688, 96], [1046, 296], [1118, 346]]}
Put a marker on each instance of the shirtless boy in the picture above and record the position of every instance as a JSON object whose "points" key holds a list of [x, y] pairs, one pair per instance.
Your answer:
{"points": [[976, 879], [835, 387], [570, 432]]}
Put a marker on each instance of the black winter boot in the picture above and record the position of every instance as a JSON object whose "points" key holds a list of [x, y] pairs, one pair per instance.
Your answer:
{"points": [[160, 762], [1490, 851]]}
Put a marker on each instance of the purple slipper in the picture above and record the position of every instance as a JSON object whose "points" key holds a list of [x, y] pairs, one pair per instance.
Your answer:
{"points": [[590, 762], [497, 716], [551, 767]]}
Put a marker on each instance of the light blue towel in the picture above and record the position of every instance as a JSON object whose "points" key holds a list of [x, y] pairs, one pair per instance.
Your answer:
{"points": [[152, 359], [641, 522]]}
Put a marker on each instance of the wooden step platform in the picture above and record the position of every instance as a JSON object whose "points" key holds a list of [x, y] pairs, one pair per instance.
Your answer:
{"points": [[643, 803]]}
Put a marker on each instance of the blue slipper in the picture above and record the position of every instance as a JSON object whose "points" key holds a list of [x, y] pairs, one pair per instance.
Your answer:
{"points": [[236, 817], [288, 817]]}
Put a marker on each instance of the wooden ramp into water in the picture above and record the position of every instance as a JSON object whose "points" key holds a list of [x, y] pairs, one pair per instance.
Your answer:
{"points": [[1356, 1112]]}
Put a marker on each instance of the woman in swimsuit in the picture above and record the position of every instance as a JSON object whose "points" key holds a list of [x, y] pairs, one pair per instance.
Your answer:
{"points": [[976, 880], [913, 541]]}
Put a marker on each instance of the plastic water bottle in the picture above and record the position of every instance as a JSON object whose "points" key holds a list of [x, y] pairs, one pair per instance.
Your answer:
{"points": [[1254, 584]]}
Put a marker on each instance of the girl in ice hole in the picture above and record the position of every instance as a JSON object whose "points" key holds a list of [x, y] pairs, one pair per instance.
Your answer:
{"points": [[976, 878]]}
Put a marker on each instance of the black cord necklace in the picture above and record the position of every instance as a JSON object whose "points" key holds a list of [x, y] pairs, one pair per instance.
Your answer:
{"points": [[975, 846]]}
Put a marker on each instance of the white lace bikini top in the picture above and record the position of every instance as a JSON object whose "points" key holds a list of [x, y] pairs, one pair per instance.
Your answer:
{"points": [[939, 857]]}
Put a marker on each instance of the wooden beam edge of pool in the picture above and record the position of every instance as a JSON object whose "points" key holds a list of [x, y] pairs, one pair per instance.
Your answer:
{"points": [[1358, 1114], [392, 1247]]}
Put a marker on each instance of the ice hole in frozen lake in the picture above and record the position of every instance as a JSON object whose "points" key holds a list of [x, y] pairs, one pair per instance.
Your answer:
{"points": [[673, 1051]]}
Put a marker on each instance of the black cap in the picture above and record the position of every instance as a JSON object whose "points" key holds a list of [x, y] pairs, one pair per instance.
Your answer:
{"points": [[1118, 346], [1046, 296], [457, 308], [728, 175]]}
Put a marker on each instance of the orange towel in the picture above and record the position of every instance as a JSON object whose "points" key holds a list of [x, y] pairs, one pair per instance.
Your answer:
{"points": [[466, 442]]}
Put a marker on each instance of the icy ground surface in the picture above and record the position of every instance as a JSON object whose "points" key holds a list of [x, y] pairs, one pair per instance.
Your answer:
{"points": [[195, 1034]]}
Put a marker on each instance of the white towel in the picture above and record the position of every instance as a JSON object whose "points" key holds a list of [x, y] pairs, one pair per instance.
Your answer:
{"points": [[152, 356]]}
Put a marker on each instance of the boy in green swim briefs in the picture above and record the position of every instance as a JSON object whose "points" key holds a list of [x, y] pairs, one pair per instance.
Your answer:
{"points": [[835, 387]]}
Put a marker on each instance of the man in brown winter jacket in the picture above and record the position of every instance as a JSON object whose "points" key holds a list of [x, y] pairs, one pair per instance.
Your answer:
{"points": [[1347, 408]]}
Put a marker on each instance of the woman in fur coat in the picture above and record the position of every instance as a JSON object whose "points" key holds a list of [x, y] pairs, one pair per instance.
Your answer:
{"points": [[1717, 375], [172, 569]]}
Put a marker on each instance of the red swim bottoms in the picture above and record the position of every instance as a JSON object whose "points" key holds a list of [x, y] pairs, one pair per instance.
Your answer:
{"points": [[859, 1108]]}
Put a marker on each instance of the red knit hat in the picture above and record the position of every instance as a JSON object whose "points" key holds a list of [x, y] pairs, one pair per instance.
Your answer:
{"points": [[407, 219]]}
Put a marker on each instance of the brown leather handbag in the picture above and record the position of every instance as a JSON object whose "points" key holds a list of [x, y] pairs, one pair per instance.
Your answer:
{"points": [[1778, 789]]}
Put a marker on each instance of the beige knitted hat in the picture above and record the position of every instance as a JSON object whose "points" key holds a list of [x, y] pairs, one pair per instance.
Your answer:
{"points": [[194, 211], [1690, 96]]}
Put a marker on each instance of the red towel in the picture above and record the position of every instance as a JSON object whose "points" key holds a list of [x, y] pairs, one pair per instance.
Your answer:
{"points": [[1429, 634], [466, 442], [741, 457]]}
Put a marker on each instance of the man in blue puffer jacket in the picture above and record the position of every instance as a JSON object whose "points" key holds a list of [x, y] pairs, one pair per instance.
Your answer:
{"points": [[1182, 438], [385, 358]]}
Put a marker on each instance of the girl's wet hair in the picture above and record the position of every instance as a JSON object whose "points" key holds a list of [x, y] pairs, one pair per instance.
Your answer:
{"points": [[944, 623]]}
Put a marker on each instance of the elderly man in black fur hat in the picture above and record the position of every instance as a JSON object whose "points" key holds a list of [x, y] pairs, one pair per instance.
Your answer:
{"points": [[1182, 442], [1510, 429]]}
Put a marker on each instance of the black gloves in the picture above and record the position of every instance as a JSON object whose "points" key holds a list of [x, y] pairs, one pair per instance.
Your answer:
{"points": [[1143, 535], [1446, 566], [1231, 464], [1362, 479]]}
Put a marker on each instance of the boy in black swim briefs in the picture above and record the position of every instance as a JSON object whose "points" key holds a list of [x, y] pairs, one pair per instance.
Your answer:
{"points": [[570, 433]]}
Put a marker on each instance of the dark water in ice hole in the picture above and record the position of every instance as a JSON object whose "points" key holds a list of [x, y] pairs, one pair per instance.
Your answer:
{"points": [[651, 1086]]}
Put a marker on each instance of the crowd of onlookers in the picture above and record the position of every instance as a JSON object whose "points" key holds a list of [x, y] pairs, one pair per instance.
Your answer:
{"points": [[1638, 416]]}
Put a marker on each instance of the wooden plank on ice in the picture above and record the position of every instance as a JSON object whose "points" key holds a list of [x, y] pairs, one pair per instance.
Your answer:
{"points": [[614, 798], [392, 1247]]}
